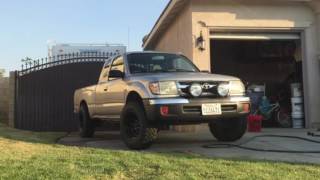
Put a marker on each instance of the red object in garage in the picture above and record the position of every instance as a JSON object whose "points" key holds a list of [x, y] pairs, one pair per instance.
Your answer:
{"points": [[254, 123]]}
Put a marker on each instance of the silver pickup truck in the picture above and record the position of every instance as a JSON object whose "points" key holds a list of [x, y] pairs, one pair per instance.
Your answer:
{"points": [[144, 91]]}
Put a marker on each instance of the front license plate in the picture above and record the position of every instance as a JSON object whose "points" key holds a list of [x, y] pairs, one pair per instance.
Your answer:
{"points": [[211, 109]]}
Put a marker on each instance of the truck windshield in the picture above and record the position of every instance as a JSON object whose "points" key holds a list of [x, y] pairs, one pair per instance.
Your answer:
{"points": [[159, 63]]}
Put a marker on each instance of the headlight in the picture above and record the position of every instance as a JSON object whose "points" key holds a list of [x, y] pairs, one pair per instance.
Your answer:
{"points": [[164, 88], [223, 89], [237, 88], [195, 90]]}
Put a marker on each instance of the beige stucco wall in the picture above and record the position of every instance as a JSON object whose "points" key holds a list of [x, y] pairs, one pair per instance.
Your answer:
{"points": [[312, 67], [244, 15], [249, 14], [228, 14], [178, 37], [265, 16]]}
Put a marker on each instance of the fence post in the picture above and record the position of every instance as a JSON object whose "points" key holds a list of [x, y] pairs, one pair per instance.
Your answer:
{"points": [[12, 98]]}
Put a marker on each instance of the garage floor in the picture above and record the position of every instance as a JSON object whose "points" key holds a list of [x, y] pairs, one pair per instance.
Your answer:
{"points": [[192, 143]]}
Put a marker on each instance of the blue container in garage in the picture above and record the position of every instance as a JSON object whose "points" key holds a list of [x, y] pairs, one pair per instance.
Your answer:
{"points": [[256, 98]]}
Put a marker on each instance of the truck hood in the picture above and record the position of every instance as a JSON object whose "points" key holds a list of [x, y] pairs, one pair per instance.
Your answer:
{"points": [[188, 76]]}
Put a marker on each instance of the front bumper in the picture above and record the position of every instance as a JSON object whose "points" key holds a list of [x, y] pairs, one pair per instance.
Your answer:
{"points": [[188, 111]]}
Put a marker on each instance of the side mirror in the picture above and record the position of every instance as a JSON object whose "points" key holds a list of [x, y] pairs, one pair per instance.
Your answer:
{"points": [[116, 74]]}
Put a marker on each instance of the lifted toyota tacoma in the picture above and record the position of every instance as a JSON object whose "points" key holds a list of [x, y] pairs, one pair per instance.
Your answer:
{"points": [[144, 91]]}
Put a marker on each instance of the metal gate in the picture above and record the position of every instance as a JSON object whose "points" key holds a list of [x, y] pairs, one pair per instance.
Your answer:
{"points": [[44, 90]]}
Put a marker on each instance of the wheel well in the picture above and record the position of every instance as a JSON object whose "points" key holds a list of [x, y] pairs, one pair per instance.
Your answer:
{"points": [[134, 97]]}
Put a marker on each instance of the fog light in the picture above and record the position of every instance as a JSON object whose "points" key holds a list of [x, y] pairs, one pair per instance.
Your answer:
{"points": [[223, 89], [246, 108], [195, 90], [164, 110]]}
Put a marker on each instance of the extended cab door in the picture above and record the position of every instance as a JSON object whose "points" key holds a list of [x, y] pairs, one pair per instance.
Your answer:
{"points": [[101, 90], [116, 89]]}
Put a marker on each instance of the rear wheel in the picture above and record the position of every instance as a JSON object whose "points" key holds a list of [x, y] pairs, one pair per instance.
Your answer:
{"points": [[87, 125], [134, 129], [228, 129]]}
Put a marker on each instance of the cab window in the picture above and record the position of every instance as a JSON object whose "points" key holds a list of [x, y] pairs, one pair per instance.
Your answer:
{"points": [[117, 64], [105, 71]]}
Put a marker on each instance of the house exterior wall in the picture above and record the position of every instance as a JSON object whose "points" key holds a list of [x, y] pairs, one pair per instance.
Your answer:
{"points": [[178, 37], [232, 15], [312, 67], [265, 16]]}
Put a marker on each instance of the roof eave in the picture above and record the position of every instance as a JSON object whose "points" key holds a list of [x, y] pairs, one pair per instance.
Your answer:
{"points": [[172, 8]]}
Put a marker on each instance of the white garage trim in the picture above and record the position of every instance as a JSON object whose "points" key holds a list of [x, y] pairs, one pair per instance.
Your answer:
{"points": [[255, 36]]}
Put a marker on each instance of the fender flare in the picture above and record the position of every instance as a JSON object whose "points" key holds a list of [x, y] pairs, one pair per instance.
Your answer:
{"points": [[138, 88]]}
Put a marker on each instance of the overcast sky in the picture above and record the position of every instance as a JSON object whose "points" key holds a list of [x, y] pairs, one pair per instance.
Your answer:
{"points": [[27, 26]]}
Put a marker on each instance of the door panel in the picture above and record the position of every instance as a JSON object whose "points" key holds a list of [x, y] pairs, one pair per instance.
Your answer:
{"points": [[101, 90], [116, 93], [111, 93], [101, 96]]}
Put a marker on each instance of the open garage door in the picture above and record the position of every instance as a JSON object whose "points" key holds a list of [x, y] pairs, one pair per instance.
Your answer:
{"points": [[255, 36], [269, 63]]}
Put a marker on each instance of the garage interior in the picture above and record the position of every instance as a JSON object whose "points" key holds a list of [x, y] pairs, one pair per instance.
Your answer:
{"points": [[270, 65]]}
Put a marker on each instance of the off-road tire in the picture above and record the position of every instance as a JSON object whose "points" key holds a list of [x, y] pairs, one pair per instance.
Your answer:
{"points": [[228, 130], [144, 136], [87, 125]]}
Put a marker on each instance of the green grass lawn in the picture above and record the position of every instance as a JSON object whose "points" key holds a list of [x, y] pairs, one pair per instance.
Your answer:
{"points": [[25, 155]]}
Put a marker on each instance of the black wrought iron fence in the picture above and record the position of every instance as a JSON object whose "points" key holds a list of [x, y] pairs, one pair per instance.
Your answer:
{"points": [[43, 63], [45, 87]]}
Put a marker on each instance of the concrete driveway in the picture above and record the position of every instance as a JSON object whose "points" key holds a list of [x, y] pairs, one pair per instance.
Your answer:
{"points": [[192, 143]]}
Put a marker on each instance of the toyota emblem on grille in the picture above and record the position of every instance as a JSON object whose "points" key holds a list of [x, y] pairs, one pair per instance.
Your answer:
{"points": [[207, 86]]}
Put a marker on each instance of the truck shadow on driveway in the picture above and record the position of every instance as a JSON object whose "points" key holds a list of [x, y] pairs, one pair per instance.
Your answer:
{"points": [[112, 140], [192, 143]]}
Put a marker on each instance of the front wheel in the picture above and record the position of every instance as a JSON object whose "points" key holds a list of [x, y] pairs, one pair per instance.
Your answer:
{"points": [[134, 129], [228, 129]]}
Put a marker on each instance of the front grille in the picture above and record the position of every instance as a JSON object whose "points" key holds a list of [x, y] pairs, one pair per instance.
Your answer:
{"points": [[209, 88], [192, 109]]}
